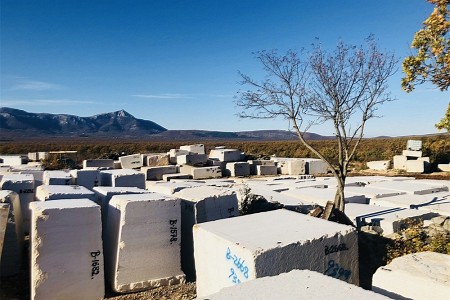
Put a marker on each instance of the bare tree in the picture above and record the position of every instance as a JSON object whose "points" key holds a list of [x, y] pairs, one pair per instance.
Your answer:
{"points": [[343, 87]]}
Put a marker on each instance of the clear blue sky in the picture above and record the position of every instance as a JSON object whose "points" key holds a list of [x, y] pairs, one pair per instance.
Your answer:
{"points": [[176, 62]]}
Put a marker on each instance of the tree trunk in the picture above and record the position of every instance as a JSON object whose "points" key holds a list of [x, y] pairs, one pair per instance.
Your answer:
{"points": [[339, 203]]}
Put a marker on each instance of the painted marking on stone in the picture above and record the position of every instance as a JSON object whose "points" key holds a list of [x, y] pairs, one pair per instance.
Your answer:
{"points": [[336, 271], [95, 263], [173, 231]]}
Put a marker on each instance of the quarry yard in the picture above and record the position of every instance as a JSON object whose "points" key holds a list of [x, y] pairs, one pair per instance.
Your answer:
{"points": [[186, 225]]}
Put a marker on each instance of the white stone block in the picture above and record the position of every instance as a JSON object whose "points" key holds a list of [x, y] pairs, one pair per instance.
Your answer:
{"points": [[169, 177], [379, 165], [192, 159], [197, 148], [262, 170], [38, 176], [202, 204], [88, 178], [13, 160], [122, 178], [202, 172], [103, 195], [132, 161], [296, 284], [143, 242], [239, 249], [156, 173], [235, 169], [57, 177], [155, 159], [315, 166], [412, 153], [423, 275], [410, 187], [372, 192], [436, 202], [291, 166], [66, 250], [11, 256], [98, 163], [33, 156], [60, 192], [173, 153], [444, 167], [254, 163], [415, 166], [226, 155], [23, 185], [400, 162], [169, 188], [4, 213], [389, 219], [414, 145], [321, 196]]}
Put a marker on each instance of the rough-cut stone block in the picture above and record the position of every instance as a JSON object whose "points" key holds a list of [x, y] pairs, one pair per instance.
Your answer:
{"points": [[4, 212], [321, 196], [423, 275], [143, 242], [66, 250], [23, 185], [380, 165], [291, 166], [103, 195], [315, 166], [235, 169], [155, 159], [169, 188], [122, 178], [226, 155], [202, 204], [192, 159], [98, 163], [415, 166], [435, 202], [414, 145], [412, 153], [88, 178], [131, 161], [254, 163], [60, 192], [57, 177], [173, 153], [169, 177], [11, 256], [444, 167], [411, 187], [156, 173], [38, 176], [202, 172], [400, 162], [13, 160], [197, 148], [296, 284], [235, 250], [262, 170], [389, 219]]}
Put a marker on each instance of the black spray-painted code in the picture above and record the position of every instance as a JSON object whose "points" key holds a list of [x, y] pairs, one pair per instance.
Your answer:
{"points": [[335, 248], [173, 230], [95, 263]]}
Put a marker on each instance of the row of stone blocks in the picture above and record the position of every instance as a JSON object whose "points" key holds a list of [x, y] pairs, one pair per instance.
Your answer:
{"points": [[146, 234]]}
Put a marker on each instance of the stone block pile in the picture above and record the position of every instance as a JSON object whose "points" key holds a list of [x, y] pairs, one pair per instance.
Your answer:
{"points": [[161, 219]]}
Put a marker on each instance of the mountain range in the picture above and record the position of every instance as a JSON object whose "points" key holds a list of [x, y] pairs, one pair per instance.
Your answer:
{"points": [[18, 124]]}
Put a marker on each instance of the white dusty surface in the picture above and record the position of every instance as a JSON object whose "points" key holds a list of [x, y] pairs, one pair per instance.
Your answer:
{"points": [[66, 250], [423, 275], [296, 284], [59, 192]]}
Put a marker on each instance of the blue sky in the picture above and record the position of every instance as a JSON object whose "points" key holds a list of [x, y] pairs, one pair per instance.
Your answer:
{"points": [[176, 62]]}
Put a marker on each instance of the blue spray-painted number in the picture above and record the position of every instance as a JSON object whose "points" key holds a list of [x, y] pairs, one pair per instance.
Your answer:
{"points": [[336, 271]]}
